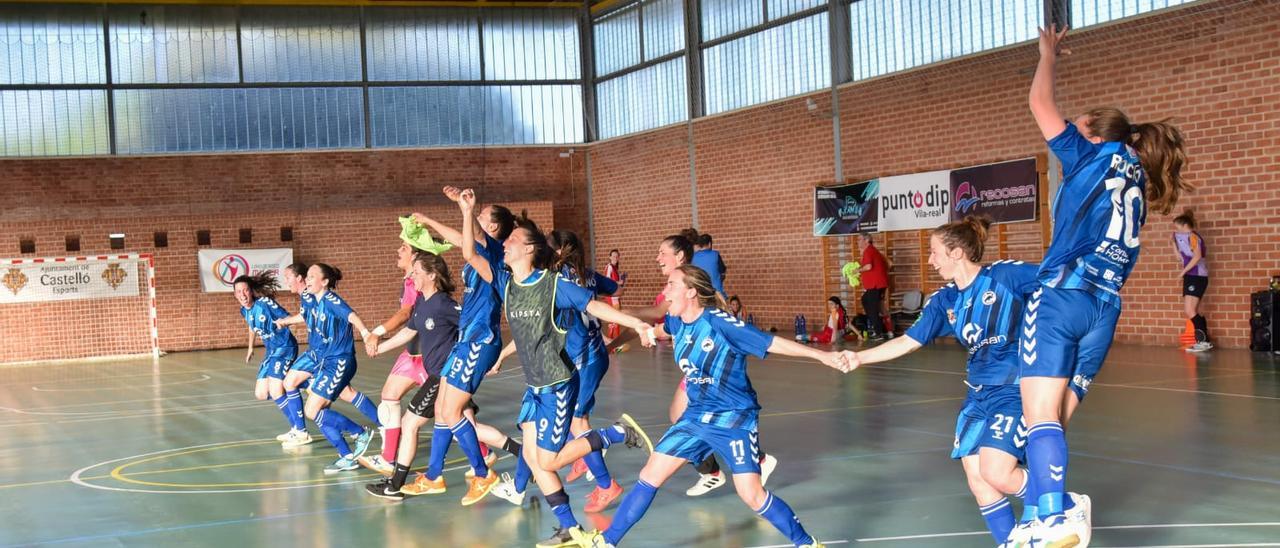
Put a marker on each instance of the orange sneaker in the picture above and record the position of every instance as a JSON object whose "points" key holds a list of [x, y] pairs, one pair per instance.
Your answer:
{"points": [[579, 468], [488, 463], [423, 486], [477, 488], [599, 499]]}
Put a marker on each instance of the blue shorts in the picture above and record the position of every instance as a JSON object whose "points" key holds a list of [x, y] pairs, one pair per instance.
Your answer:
{"points": [[548, 408], [334, 375], [306, 363], [469, 362], [590, 373], [276, 363], [693, 441], [1066, 334], [991, 417]]}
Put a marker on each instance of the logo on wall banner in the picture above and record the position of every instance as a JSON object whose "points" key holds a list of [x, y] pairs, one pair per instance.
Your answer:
{"points": [[913, 202], [1007, 192], [848, 209], [54, 280], [219, 268]]}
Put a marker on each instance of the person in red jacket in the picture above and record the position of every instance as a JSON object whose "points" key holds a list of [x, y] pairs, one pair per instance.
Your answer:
{"points": [[875, 280]]}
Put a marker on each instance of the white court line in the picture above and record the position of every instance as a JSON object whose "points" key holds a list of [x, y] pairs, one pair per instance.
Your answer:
{"points": [[113, 402], [202, 378], [824, 542], [1201, 545], [1104, 528]]}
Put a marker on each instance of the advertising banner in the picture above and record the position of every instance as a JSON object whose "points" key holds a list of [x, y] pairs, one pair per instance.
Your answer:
{"points": [[30, 282], [844, 210], [1007, 192], [220, 267], [914, 202]]}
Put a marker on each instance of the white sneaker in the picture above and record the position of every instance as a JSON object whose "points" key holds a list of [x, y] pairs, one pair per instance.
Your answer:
{"points": [[377, 464], [298, 439], [1020, 536], [1055, 532], [706, 482], [506, 490], [766, 468], [285, 435], [1200, 346], [1080, 517]]}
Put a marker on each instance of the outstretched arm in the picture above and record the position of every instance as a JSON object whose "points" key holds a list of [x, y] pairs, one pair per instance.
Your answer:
{"points": [[899, 346], [844, 360], [611, 315], [1043, 105], [291, 320], [401, 338]]}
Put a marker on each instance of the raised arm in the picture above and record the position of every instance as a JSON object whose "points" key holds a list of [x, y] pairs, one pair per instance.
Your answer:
{"points": [[448, 233], [1043, 105], [467, 202]]}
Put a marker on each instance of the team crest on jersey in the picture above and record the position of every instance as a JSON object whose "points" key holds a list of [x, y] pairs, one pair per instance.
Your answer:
{"points": [[989, 298], [262, 319], [708, 344], [951, 315], [431, 324]]}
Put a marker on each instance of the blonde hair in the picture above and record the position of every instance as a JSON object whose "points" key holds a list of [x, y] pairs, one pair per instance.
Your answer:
{"points": [[969, 234]]}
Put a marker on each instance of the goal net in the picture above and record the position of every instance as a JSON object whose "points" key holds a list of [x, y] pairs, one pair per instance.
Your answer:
{"points": [[77, 307]]}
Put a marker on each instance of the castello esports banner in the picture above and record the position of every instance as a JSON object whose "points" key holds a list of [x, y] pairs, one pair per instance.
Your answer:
{"points": [[848, 209]]}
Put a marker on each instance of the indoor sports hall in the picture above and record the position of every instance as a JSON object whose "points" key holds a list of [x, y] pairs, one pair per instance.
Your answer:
{"points": [[868, 256]]}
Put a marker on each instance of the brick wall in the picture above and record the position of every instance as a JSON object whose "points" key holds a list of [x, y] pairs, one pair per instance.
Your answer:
{"points": [[1214, 68], [342, 207]]}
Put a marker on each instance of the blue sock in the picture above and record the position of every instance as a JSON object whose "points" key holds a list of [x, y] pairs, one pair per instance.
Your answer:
{"points": [[630, 510], [325, 419], [999, 517], [1047, 463], [465, 433], [611, 435], [282, 403], [366, 408], [342, 423], [559, 503], [782, 517], [523, 474], [595, 463], [441, 438], [294, 405], [1029, 496]]}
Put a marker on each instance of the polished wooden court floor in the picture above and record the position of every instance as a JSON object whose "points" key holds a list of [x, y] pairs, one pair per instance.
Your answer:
{"points": [[1175, 449]]}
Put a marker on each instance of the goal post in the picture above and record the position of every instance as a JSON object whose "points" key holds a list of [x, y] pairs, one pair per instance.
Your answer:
{"points": [[93, 306]]}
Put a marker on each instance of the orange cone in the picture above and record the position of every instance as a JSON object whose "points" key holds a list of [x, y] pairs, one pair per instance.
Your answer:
{"points": [[1188, 336]]}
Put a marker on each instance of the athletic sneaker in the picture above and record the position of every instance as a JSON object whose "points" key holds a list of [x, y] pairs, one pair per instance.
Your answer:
{"points": [[299, 439], [767, 464], [599, 499], [1021, 535], [562, 537], [1200, 346], [588, 539], [815, 544], [477, 488], [579, 468], [423, 486], [285, 435], [706, 482], [635, 435], [489, 459], [362, 442], [1055, 532], [506, 490], [377, 464], [1081, 518], [344, 464], [383, 490]]}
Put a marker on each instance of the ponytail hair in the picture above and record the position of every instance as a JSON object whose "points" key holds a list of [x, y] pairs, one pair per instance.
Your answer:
{"points": [[1187, 218], [543, 255], [298, 269], [262, 284], [698, 279], [682, 245], [569, 247], [968, 234], [330, 273], [1160, 150]]}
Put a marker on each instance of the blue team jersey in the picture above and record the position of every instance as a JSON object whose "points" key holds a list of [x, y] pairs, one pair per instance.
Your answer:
{"points": [[327, 322], [712, 352], [1097, 213], [585, 335], [984, 317], [481, 302], [710, 261], [436, 322], [261, 319], [306, 306]]}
